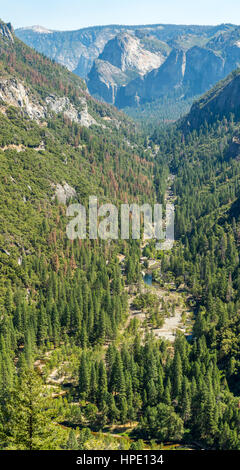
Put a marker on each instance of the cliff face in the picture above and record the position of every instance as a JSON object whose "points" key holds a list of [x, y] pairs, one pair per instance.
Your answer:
{"points": [[122, 59], [154, 84], [188, 73], [126, 52], [203, 69], [104, 80]]}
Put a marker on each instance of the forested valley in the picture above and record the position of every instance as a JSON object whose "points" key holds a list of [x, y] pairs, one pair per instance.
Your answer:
{"points": [[77, 369]]}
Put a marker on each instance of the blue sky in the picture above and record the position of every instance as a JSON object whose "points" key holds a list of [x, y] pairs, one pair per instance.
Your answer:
{"points": [[75, 14]]}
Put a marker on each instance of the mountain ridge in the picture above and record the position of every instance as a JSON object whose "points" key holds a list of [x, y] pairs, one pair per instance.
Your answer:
{"points": [[69, 47], [117, 60]]}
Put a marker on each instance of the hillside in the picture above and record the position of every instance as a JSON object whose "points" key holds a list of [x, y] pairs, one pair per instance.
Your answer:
{"points": [[205, 162], [221, 101], [49, 87], [45, 115]]}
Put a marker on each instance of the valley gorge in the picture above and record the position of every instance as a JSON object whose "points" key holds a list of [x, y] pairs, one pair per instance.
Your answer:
{"points": [[93, 354]]}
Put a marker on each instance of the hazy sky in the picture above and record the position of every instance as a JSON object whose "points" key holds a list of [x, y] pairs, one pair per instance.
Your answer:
{"points": [[75, 14]]}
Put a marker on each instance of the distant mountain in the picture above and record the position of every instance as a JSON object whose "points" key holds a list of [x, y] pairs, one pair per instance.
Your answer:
{"points": [[130, 66], [77, 50], [123, 58], [190, 65], [188, 73]]}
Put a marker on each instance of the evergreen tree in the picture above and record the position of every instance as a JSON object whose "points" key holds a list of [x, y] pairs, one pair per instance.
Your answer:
{"points": [[30, 424]]}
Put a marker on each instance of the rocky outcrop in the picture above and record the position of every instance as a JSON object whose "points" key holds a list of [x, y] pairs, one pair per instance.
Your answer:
{"points": [[127, 54], [85, 119], [64, 193], [6, 30], [13, 92], [63, 105]]}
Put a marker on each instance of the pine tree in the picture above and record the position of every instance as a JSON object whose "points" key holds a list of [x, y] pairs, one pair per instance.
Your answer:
{"points": [[117, 380], [72, 443], [84, 378], [113, 412], [30, 424], [186, 401], [102, 384], [177, 376]]}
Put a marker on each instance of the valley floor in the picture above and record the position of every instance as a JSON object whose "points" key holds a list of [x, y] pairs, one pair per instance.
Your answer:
{"points": [[176, 314]]}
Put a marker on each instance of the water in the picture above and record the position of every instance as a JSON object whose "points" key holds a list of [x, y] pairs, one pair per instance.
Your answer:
{"points": [[189, 338], [148, 279]]}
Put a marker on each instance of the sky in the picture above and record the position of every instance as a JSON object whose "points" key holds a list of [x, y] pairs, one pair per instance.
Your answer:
{"points": [[76, 14]]}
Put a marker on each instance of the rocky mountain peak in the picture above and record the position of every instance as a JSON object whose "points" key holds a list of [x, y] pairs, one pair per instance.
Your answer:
{"points": [[126, 53], [124, 58], [38, 29], [7, 31]]}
